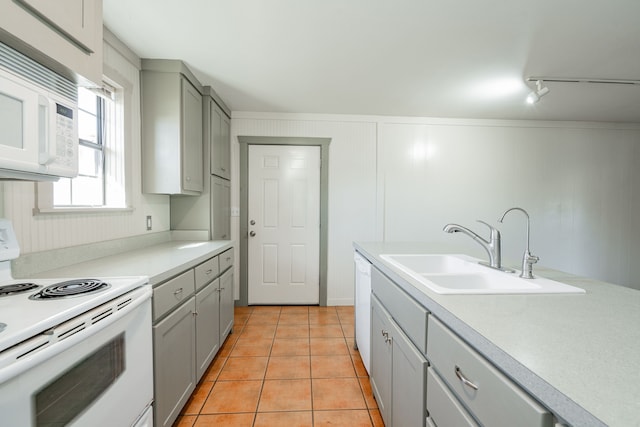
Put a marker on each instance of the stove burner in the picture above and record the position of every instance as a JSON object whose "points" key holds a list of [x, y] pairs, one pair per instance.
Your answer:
{"points": [[70, 288], [16, 288]]}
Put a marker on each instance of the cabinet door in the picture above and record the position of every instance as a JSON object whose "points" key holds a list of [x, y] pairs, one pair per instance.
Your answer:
{"points": [[207, 326], [63, 35], [192, 169], [220, 209], [174, 348], [73, 18], [381, 349], [408, 381], [220, 142], [225, 141], [226, 304]]}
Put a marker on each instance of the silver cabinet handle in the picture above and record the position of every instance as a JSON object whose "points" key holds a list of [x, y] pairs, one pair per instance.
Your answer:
{"points": [[178, 291], [464, 379], [209, 271]]}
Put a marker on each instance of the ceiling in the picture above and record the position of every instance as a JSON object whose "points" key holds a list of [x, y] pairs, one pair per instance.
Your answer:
{"points": [[427, 58]]}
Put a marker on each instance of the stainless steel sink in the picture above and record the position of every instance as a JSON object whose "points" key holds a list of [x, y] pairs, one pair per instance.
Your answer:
{"points": [[460, 274]]}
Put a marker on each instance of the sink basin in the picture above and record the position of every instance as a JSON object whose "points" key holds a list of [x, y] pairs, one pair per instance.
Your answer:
{"points": [[460, 274], [433, 263]]}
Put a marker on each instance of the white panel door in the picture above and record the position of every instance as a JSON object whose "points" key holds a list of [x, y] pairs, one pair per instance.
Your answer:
{"points": [[284, 224]]}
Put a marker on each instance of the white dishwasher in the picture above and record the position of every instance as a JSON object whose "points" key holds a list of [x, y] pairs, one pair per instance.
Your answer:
{"points": [[363, 307]]}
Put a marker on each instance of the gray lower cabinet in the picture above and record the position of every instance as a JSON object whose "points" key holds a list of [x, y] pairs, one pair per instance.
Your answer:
{"points": [[398, 371], [488, 395], [207, 326], [381, 359], [226, 304], [193, 315], [174, 351], [408, 382], [460, 387], [444, 407]]}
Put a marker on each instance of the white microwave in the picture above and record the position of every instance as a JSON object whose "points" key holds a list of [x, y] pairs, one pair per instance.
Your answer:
{"points": [[38, 120]]}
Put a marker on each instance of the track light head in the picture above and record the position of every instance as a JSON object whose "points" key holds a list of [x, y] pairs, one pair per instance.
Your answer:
{"points": [[535, 95]]}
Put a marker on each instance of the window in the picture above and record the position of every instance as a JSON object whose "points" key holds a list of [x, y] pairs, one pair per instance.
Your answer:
{"points": [[87, 189], [100, 180]]}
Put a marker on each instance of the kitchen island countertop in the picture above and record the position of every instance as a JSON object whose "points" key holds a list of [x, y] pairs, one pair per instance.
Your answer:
{"points": [[578, 354]]}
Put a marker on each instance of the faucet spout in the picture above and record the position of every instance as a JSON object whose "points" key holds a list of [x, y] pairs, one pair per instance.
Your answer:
{"points": [[527, 259], [491, 246]]}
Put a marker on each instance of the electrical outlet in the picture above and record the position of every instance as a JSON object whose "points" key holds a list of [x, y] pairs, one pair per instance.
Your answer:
{"points": [[149, 223]]}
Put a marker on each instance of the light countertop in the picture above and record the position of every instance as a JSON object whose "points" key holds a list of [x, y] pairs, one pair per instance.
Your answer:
{"points": [[159, 262], [578, 354]]}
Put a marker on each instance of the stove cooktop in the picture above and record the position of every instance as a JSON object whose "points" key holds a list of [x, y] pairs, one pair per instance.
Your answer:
{"points": [[26, 316]]}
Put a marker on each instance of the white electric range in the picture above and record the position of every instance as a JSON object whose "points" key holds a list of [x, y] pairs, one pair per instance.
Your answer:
{"points": [[73, 350]]}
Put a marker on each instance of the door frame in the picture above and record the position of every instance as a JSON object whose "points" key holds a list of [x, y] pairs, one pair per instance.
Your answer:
{"points": [[245, 142]]}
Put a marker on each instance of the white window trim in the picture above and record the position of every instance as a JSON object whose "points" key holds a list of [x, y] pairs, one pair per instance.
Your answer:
{"points": [[44, 190]]}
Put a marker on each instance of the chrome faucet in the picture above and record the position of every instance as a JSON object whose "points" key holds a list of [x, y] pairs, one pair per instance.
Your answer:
{"points": [[492, 246], [527, 259]]}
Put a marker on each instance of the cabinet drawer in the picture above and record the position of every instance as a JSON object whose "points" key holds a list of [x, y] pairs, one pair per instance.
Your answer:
{"points": [[443, 407], [172, 292], [226, 259], [497, 401], [407, 313], [206, 272]]}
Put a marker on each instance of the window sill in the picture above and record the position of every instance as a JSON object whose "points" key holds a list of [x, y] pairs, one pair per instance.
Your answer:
{"points": [[81, 210]]}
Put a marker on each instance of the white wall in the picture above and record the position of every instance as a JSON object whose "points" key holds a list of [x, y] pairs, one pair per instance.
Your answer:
{"points": [[403, 179], [579, 182], [51, 231]]}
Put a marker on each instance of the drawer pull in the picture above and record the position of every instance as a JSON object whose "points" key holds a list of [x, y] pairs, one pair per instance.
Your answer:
{"points": [[177, 291], [464, 379], [208, 272]]}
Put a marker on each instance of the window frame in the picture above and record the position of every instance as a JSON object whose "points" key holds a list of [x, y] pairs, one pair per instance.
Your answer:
{"points": [[121, 95]]}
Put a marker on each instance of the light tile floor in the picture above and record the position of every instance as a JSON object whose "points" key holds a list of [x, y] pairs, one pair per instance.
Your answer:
{"points": [[285, 366]]}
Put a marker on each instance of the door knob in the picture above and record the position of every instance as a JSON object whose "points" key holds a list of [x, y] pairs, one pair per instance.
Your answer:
{"points": [[252, 233]]}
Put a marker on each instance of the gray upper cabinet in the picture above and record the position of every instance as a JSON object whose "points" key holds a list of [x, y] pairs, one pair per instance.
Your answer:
{"points": [[220, 140], [172, 160], [220, 209], [64, 35]]}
